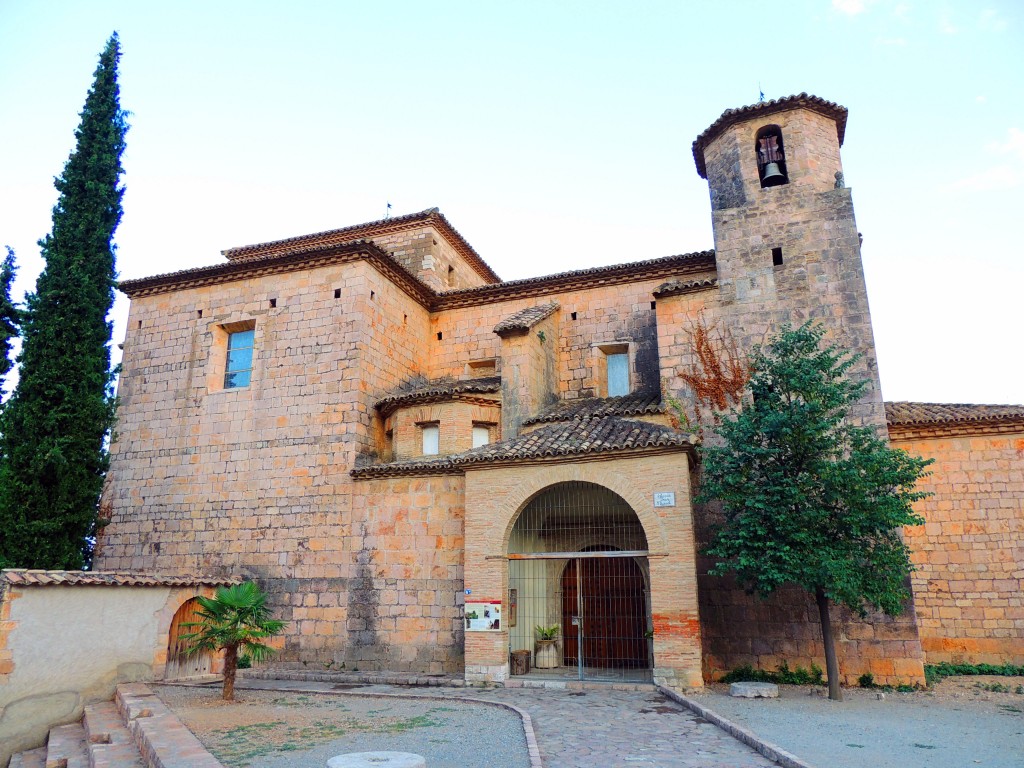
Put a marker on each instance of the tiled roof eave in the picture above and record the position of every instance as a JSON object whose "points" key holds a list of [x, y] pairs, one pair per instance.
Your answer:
{"points": [[312, 258], [454, 466], [22, 577], [548, 285], [952, 428]]}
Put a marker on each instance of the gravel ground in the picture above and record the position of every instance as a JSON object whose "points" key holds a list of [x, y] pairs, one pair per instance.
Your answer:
{"points": [[961, 724], [266, 729]]}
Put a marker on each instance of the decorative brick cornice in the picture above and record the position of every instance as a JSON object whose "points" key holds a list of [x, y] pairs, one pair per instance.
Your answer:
{"points": [[762, 109], [431, 216]]}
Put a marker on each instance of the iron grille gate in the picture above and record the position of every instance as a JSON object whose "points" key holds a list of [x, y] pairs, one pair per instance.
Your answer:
{"points": [[578, 564]]}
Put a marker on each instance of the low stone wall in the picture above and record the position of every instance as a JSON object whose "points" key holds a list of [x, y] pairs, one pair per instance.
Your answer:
{"points": [[67, 638]]}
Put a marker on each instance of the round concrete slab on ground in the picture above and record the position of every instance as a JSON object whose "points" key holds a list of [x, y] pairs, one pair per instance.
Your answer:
{"points": [[377, 760], [754, 690]]}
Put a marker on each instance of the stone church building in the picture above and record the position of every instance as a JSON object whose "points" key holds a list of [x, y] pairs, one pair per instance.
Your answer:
{"points": [[423, 463]]}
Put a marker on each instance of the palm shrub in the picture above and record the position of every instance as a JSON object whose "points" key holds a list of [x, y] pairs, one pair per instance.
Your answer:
{"points": [[235, 618]]}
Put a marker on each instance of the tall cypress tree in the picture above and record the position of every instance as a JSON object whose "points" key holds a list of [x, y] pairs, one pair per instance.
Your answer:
{"points": [[54, 426], [8, 313]]}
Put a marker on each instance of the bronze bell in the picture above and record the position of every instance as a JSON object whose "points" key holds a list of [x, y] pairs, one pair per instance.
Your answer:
{"points": [[772, 176]]}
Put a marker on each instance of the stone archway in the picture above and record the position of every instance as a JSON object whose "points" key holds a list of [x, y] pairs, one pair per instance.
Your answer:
{"points": [[577, 562], [495, 497]]}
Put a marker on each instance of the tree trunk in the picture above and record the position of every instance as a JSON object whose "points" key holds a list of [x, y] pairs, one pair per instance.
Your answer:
{"points": [[230, 668], [831, 664]]}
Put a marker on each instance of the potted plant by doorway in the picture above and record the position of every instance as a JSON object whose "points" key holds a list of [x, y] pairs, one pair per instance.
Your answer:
{"points": [[545, 652]]}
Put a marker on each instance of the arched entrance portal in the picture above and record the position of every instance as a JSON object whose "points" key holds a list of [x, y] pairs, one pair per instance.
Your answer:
{"points": [[578, 560], [180, 663]]}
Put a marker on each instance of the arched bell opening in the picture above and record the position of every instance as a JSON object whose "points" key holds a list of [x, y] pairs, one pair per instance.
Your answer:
{"points": [[578, 563], [771, 157]]}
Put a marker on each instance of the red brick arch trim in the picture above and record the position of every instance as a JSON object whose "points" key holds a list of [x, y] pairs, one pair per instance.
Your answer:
{"points": [[599, 473]]}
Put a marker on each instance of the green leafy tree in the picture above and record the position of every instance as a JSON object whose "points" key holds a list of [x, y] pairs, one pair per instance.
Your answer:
{"points": [[52, 456], [9, 315], [235, 619], [807, 497]]}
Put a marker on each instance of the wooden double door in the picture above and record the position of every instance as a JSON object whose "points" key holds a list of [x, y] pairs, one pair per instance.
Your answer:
{"points": [[604, 613]]}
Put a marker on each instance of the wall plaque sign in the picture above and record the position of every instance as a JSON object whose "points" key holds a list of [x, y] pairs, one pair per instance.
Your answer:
{"points": [[665, 499], [483, 616]]}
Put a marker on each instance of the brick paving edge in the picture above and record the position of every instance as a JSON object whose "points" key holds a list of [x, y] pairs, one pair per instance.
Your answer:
{"points": [[773, 752], [531, 739]]}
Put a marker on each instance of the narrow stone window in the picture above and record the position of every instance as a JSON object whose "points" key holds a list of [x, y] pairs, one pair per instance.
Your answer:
{"points": [[480, 368], [618, 374], [777, 257], [273, 303], [771, 157], [431, 437], [199, 313], [440, 335], [451, 275], [573, 315], [337, 293], [238, 370]]}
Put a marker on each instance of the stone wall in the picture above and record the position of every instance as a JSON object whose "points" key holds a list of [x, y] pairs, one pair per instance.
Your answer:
{"points": [[969, 554]]}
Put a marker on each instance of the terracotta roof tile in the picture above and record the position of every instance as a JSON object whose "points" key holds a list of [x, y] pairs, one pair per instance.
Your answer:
{"points": [[570, 438], [439, 389], [523, 320], [633, 404], [37, 578], [903, 413], [676, 287], [666, 266], [765, 108]]}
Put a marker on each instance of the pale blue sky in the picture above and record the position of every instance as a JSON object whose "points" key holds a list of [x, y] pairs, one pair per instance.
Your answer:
{"points": [[554, 136]]}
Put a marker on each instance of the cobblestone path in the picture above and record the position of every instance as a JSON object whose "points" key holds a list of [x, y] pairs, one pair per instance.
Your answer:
{"points": [[593, 728]]}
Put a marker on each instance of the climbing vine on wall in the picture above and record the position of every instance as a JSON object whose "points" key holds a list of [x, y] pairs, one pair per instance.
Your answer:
{"points": [[717, 376]]}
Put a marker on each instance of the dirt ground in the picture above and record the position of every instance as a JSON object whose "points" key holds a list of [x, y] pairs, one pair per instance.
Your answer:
{"points": [[263, 728]]}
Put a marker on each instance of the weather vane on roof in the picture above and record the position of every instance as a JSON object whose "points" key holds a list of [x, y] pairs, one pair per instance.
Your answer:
{"points": [[760, 91], [387, 212]]}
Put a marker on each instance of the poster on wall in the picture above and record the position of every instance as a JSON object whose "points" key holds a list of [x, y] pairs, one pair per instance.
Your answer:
{"points": [[483, 616], [513, 606]]}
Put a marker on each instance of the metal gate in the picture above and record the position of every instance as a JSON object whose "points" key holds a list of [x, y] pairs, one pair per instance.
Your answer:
{"points": [[578, 570]]}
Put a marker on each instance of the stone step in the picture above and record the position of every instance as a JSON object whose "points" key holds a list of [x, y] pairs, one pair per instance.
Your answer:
{"points": [[109, 740], [65, 748], [33, 758]]}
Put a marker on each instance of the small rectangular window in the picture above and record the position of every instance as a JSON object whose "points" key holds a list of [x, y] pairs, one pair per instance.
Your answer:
{"points": [[481, 435], [238, 370], [618, 374], [777, 257], [431, 439]]}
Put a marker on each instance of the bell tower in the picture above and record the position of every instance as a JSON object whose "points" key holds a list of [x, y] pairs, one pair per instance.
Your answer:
{"points": [[787, 248]]}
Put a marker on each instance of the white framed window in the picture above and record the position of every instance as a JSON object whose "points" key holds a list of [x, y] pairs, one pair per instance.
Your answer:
{"points": [[238, 364], [481, 435], [430, 434]]}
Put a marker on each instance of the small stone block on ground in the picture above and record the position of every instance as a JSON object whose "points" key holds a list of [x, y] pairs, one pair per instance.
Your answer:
{"points": [[378, 760], [754, 690]]}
